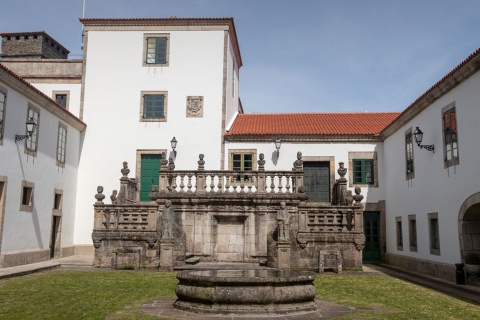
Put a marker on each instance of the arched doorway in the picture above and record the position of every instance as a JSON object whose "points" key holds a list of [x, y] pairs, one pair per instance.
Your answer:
{"points": [[469, 225]]}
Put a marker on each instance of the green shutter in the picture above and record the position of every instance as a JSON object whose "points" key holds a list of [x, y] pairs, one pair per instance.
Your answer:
{"points": [[363, 171]]}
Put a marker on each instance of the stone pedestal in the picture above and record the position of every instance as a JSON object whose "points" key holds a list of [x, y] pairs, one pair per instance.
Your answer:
{"points": [[283, 251], [166, 254]]}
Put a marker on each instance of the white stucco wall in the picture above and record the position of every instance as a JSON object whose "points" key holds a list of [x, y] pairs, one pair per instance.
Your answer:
{"points": [[27, 231], [114, 80], [288, 154], [434, 188], [232, 90], [74, 90]]}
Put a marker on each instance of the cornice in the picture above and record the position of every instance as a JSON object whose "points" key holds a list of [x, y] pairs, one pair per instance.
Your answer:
{"points": [[455, 77], [36, 96], [303, 138]]}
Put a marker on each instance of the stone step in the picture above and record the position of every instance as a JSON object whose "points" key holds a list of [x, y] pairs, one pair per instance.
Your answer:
{"points": [[193, 260]]}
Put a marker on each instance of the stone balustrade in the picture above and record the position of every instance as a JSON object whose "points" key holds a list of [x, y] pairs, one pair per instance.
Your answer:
{"points": [[231, 181]]}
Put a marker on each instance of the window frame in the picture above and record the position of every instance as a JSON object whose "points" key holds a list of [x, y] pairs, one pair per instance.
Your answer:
{"points": [[142, 106], [449, 109], [242, 152], [61, 145], [147, 36], [399, 233], [27, 192], [31, 112], [409, 155], [3, 108], [434, 233], [362, 155], [412, 232], [67, 97]]}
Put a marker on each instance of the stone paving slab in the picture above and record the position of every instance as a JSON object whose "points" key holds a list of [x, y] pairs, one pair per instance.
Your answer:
{"points": [[164, 308]]}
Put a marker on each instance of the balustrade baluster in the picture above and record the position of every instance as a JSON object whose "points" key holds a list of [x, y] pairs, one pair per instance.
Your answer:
{"points": [[174, 183], [189, 184], [272, 183], [182, 184], [287, 187], [220, 179], [280, 183], [212, 183], [227, 183]]}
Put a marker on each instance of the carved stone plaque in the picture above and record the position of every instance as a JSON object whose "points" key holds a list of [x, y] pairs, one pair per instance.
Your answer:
{"points": [[195, 106]]}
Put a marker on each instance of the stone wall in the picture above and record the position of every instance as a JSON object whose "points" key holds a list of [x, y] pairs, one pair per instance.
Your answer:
{"points": [[37, 45]]}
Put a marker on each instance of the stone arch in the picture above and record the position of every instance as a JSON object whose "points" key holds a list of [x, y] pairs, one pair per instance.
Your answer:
{"points": [[469, 225]]}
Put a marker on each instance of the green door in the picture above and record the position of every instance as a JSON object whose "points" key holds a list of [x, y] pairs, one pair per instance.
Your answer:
{"points": [[149, 168], [317, 180], [371, 225]]}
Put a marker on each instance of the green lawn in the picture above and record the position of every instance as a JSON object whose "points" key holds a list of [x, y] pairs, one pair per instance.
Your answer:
{"points": [[62, 294]]}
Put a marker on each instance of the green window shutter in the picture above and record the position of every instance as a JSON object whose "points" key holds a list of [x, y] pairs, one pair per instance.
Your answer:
{"points": [[363, 171], [153, 106], [149, 167], [156, 51]]}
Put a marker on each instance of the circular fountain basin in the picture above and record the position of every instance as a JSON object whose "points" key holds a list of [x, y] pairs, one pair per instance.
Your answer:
{"points": [[245, 292]]}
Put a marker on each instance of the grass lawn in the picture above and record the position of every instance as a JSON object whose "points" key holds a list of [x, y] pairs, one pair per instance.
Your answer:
{"points": [[63, 294]]}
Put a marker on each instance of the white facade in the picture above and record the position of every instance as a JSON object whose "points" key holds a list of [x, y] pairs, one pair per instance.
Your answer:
{"points": [[435, 189], [200, 64], [28, 228]]}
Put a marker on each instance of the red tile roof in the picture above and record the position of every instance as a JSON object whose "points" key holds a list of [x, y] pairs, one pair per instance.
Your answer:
{"points": [[364, 123]]}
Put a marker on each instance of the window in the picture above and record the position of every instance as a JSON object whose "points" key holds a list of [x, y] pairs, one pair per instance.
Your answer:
{"points": [[434, 233], [62, 98], [450, 135], [398, 221], [242, 160], [156, 49], [61, 145], [3, 100], [153, 106], [31, 143], [26, 199], [412, 231], [363, 169], [410, 169], [57, 199]]}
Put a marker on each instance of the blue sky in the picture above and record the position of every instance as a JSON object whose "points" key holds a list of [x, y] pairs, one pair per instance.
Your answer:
{"points": [[303, 55]]}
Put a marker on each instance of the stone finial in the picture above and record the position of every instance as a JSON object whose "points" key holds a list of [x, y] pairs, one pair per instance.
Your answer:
{"points": [[298, 164], [342, 171], [201, 162], [125, 171], [261, 162], [171, 164], [358, 197], [163, 160], [99, 196], [113, 197], [154, 188], [349, 198]]}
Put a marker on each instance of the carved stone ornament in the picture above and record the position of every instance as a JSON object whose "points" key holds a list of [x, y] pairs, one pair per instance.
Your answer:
{"points": [[342, 170], [201, 162], [261, 162], [358, 197], [113, 197], [125, 171], [298, 164], [164, 161], [99, 196], [171, 164], [195, 106]]}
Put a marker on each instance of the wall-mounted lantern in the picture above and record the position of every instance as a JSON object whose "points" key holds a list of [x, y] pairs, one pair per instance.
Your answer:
{"points": [[31, 125], [418, 139], [173, 143], [278, 144]]}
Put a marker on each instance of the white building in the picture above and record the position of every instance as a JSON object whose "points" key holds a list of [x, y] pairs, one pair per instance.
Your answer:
{"points": [[38, 175], [180, 78]]}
